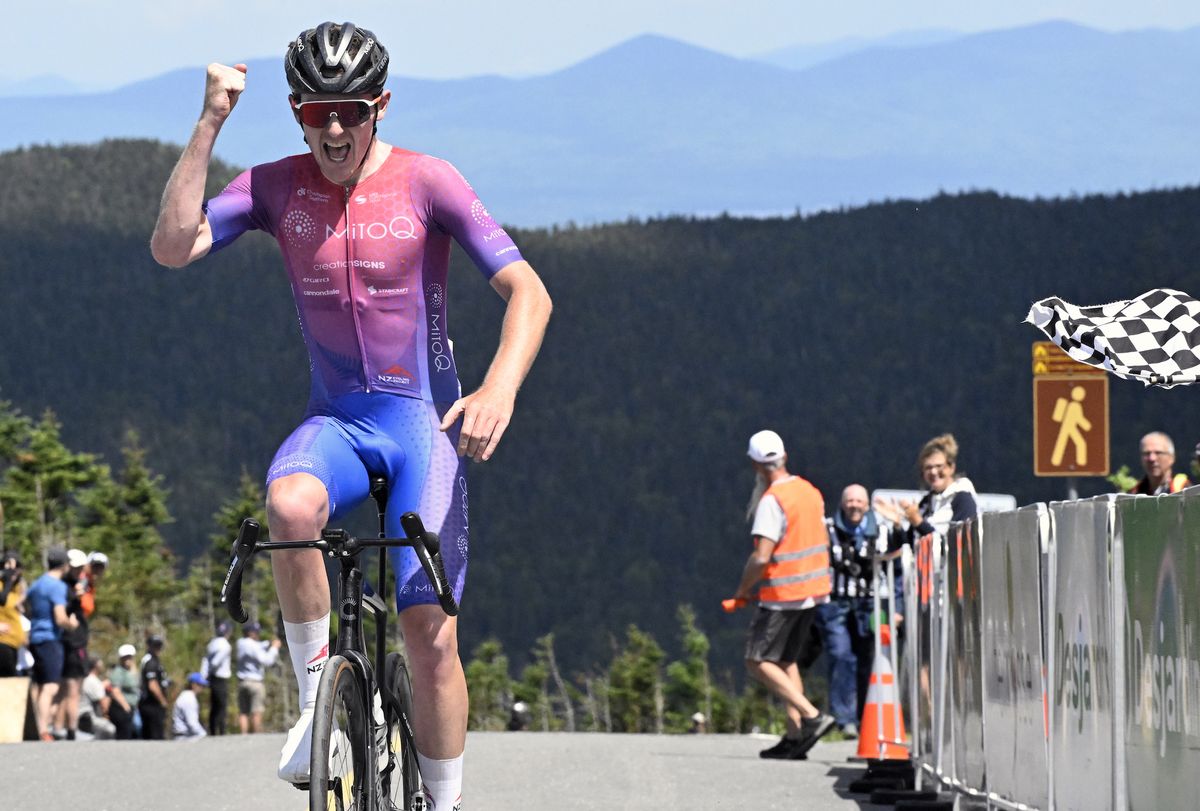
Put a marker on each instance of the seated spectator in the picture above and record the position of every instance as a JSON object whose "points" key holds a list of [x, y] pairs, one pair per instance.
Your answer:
{"points": [[1158, 461], [125, 692], [185, 719], [93, 714]]}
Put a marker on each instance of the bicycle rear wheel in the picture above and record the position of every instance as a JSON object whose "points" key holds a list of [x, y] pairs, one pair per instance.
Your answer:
{"points": [[403, 781], [340, 767]]}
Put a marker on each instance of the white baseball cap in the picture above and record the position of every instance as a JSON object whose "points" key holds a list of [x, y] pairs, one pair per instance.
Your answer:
{"points": [[126, 650], [98, 558], [765, 446], [76, 558]]}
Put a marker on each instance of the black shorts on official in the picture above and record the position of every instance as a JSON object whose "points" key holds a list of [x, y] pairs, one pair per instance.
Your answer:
{"points": [[778, 635], [74, 663]]}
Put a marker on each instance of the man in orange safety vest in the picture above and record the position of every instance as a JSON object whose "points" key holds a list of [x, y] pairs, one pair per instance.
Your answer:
{"points": [[789, 569]]}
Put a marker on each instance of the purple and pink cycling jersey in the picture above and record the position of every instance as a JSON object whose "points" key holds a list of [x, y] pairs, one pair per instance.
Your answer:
{"points": [[368, 267], [368, 264]]}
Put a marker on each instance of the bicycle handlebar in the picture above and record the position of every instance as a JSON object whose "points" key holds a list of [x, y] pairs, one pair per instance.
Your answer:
{"points": [[243, 550], [428, 547], [339, 543]]}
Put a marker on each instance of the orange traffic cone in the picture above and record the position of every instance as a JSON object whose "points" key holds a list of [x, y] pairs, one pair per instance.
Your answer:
{"points": [[881, 733]]}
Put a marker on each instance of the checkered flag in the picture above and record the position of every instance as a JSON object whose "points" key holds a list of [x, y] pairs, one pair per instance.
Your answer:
{"points": [[1155, 338]]}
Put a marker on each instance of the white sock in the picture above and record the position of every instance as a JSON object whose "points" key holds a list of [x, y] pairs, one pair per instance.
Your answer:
{"points": [[308, 645], [442, 780]]}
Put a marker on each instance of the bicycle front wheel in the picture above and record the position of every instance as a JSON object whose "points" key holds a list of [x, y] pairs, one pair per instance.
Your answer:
{"points": [[402, 782], [340, 765]]}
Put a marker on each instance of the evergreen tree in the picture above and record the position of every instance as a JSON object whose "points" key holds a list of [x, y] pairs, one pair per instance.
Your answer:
{"points": [[635, 684], [531, 688], [258, 584], [689, 686], [123, 517], [544, 655], [42, 486], [491, 689], [14, 434]]}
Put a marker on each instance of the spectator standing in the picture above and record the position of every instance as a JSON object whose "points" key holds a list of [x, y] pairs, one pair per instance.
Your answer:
{"points": [[47, 603], [12, 629], [216, 670], [845, 621], [254, 656], [950, 498], [153, 703], [75, 655], [789, 569], [93, 716], [185, 719], [97, 565], [125, 692], [1158, 462]]}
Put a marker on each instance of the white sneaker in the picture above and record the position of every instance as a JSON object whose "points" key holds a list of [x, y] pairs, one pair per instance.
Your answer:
{"points": [[294, 759]]}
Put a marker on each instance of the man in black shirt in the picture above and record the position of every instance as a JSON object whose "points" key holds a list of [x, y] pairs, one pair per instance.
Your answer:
{"points": [[153, 703], [854, 536]]}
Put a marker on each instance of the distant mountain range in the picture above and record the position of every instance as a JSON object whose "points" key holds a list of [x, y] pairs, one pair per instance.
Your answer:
{"points": [[799, 57], [657, 126]]}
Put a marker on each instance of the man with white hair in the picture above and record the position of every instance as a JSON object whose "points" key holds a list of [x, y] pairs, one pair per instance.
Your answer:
{"points": [[845, 621], [789, 570], [1158, 459]]}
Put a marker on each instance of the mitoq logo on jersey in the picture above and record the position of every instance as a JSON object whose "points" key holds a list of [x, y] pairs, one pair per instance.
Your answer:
{"points": [[400, 227]]}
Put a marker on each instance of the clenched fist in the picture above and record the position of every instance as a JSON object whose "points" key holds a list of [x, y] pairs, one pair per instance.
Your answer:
{"points": [[221, 90]]}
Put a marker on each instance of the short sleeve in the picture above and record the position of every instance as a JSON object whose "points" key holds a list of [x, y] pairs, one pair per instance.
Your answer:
{"points": [[769, 520], [453, 206], [233, 212]]}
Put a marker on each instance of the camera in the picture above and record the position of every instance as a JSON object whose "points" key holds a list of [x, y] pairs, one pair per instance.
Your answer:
{"points": [[849, 561]]}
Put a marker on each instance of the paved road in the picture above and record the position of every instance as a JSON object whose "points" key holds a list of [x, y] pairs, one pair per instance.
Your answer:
{"points": [[506, 772]]}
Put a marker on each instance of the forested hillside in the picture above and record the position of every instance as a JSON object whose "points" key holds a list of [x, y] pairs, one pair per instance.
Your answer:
{"points": [[617, 494]]}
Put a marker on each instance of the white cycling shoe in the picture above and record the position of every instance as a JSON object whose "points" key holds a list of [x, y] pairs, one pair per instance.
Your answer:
{"points": [[294, 759]]}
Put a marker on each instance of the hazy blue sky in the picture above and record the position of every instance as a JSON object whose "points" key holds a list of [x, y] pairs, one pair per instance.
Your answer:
{"points": [[107, 42]]}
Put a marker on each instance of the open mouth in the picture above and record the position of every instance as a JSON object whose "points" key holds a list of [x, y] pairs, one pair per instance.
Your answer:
{"points": [[336, 154]]}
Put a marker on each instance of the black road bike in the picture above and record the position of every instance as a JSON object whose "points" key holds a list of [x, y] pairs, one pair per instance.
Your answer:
{"points": [[363, 758]]}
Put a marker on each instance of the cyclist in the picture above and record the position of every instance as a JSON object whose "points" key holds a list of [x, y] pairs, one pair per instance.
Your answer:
{"points": [[365, 232]]}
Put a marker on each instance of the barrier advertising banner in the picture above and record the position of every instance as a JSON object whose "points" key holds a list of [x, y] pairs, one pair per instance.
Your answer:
{"points": [[1160, 541], [1080, 642], [1014, 729], [921, 594], [966, 655]]}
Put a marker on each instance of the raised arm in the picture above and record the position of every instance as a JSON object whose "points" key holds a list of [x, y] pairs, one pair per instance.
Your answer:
{"points": [[182, 234], [487, 411]]}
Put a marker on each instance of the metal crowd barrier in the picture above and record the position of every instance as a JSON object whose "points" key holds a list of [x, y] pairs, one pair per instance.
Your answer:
{"points": [[1053, 656]]}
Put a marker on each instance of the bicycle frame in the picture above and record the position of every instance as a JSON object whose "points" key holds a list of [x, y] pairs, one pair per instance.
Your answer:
{"points": [[352, 599]]}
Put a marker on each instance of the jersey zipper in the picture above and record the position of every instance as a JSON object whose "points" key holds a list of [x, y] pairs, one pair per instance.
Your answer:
{"points": [[362, 348]]}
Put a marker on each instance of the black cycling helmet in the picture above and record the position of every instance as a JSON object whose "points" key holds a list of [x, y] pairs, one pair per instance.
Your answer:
{"points": [[336, 59]]}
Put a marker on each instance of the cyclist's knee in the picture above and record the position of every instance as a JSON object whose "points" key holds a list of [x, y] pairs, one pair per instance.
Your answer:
{"points": [[430, 640], [298, 500]]}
